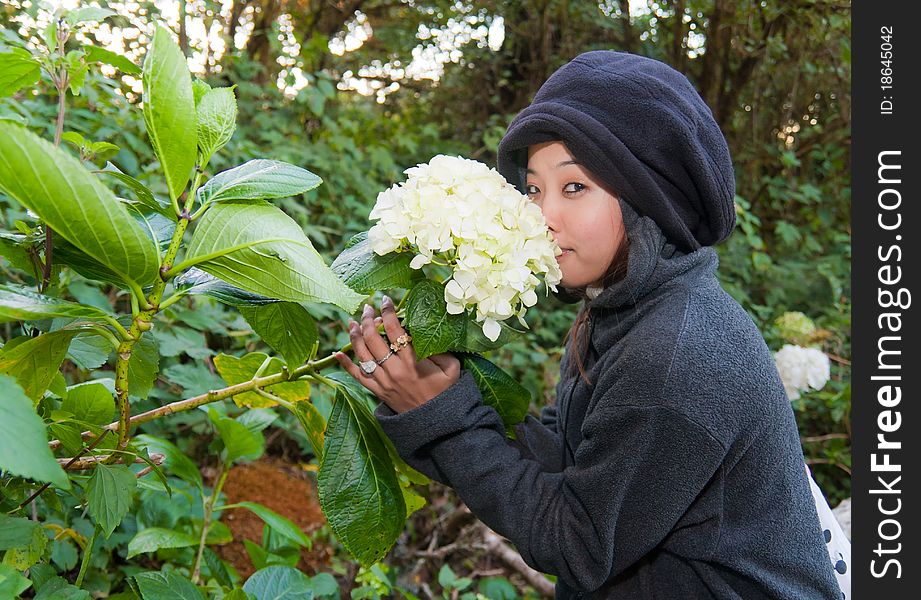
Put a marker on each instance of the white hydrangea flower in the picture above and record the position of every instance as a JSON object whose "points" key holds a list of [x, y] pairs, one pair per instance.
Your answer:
{"points": [[459, 212], [802, 369]]}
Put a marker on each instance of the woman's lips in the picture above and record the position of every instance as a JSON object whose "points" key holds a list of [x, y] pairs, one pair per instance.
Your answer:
{"points": [[566, 252]]}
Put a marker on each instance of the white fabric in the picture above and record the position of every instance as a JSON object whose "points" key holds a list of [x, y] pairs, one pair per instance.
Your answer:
{"points": [[837, 543]]}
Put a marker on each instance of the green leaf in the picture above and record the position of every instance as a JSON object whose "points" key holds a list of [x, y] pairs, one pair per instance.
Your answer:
{"points": [[24, 557], [357, 485], [174, 460], [97, 54], [314, 425], [279, 583], [143, 366], [258, 179], [76, 70], [57, 588], [499, 389], [365, 271], [217, 120], [240, 443], [141, 191], [34, 362], [12, 583], [165, 586], [17, 70], [235, 370], [199, 89], [14, 248], [19, 303], [169, 110], [285, 326], [497, 588], [74, 139], [261, 249], [196, 281], [281, 525], [67, 254], [89, 350], [54, 184], [433, 329], [108, 494], [90, 402], [219, 571], [87, 13], [159, 229], [16, 532], [152, 539]]}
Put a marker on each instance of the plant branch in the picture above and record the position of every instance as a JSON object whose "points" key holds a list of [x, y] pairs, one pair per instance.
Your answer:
{"points": [[65, 467], [306, 370], [206, 521]]}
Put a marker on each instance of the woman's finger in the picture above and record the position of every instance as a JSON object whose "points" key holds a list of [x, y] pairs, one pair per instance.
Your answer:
{"points": [[372, 338], [394, 330], [355, 371], [358, 342]]}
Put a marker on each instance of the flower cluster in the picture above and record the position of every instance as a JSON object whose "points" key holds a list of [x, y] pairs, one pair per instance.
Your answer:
{"points": [[795, 327], [459, 212], [802, 369]]}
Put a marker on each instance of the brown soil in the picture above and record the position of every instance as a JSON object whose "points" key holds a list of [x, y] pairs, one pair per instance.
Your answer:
{"points": [[285, 488]]}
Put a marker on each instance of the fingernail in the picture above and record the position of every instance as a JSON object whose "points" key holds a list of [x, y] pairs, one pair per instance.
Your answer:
{"points": [[367, 310], [386, 301]]}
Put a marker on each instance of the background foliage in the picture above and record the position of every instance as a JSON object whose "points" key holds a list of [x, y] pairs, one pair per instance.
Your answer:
{"points": [[358, 90]]}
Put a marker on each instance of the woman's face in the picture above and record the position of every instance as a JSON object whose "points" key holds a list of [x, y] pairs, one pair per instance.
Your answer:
{"points": [[584, 218]]}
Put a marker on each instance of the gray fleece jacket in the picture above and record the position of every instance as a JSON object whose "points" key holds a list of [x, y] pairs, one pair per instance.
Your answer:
{"points": [[679, 474]]}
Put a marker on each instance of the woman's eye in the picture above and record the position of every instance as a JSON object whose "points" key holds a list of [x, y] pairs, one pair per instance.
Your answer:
{"points": [[573, 188], [531, 190]]}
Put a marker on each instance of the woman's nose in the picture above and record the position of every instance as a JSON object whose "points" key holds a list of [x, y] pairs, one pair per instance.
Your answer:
{"points": [[551, 209]]}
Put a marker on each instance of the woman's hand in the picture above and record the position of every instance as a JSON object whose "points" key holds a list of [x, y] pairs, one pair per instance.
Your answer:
{"points": [[401, 381]]}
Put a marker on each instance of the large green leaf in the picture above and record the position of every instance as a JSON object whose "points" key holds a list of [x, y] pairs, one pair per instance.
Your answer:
{"points": [[217, 120], [240, 442], [24, 440], [89, 402], [16, 532], [34, 362], [259, 248], [235, 370], [18, 303], [67, 197], [57, 588], [499, 390], [277, 522], [358, 487], [108, 494], [169, 110], [17, 70], [433, 328], [165, 586], [196, 281], [152, 539], [365, 271], [258, 179], [11, 582], [286, 327], [279, 583]]}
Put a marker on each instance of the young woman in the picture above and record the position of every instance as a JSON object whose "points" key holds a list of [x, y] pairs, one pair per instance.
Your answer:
{"points": [[670, 466]]}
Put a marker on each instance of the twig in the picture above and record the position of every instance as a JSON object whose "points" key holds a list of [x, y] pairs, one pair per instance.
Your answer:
{"points": [[65, 467], [828, 461], [513, 560], [825, 438]]}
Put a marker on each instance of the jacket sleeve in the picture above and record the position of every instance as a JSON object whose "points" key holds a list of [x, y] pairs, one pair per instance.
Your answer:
{"points": [[636, 472]]}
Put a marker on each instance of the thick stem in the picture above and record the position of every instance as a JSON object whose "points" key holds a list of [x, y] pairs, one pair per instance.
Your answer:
{"points": [[49, 234], [141, 323], [206, 521]]}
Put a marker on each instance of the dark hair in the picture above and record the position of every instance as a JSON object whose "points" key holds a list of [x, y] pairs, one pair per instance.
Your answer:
{"points": [[616, 271]]}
